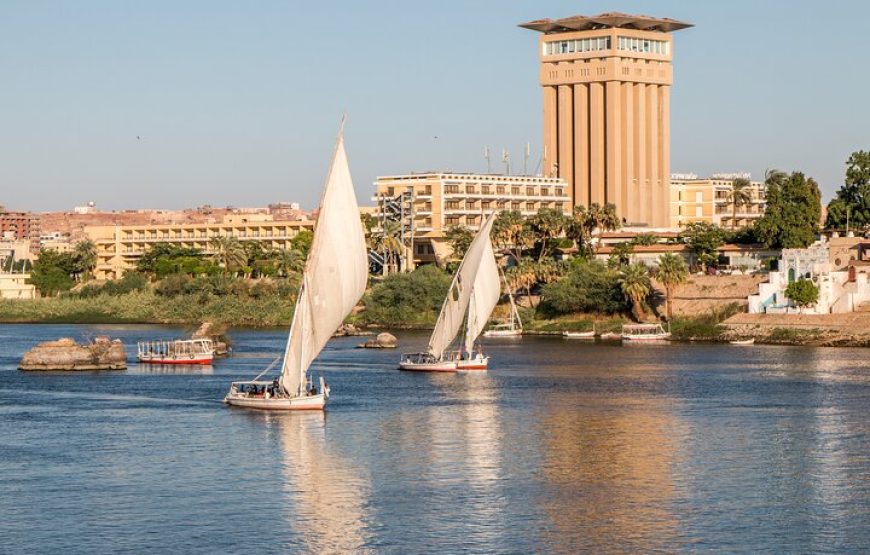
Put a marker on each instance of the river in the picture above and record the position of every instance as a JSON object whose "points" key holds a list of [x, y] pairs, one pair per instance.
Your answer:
{"points": [[563, 446]]}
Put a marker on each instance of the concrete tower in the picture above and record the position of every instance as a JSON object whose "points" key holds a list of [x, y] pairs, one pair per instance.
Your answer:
{"points": [[606, 84]]}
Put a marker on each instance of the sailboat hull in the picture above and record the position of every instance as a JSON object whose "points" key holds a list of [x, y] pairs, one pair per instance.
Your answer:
{"points": [[428, 366], [476, 363], [503, 333], [309, 402]]}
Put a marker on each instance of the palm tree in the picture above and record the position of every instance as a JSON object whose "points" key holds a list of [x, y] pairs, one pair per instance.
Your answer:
{"points": [[391, 244], [523, 276], [511, 233], [636, 286], [738, 195], [287, 261], [671, 273], [228, 252], [85, 256], [547, 224]]}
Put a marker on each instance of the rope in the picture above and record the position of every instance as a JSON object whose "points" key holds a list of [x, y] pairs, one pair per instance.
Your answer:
{"points": [[272, 365]]}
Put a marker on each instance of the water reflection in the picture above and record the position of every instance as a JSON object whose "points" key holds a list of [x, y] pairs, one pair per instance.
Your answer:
{"points": [[607, 473], [327, 498], [172, 369]]}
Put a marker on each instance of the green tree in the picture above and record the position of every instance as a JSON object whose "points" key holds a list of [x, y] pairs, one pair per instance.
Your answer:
{"points": [[546, 225], [229, 253], [644, 239], [588, 286], [512, 234], [852, 203], [407, 298], [147, 263], [287, 261], [84, 259], [703, 240], [302, 242], [792, 212], [803, 292], [621, 255], [740, 194], [672, 272], [460, 239], [52, 272], [636, 286]]}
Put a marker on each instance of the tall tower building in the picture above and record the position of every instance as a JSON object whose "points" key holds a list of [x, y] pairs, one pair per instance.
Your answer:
{"points": [[606, 82]]}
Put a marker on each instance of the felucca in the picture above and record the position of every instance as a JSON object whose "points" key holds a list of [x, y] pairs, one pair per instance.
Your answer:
{"points": [[472, 304], [334, 279], [514, 326]]}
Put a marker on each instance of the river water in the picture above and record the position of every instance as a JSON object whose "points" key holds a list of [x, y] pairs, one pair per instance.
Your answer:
{"points": [[562, 447]]}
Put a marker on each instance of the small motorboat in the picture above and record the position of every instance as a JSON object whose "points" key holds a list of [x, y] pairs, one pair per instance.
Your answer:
{"points": [[176, 351], [743, 341], [579, 334], [610, 336]]}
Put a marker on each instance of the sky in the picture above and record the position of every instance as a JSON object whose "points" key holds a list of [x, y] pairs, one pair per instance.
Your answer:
{"points": [[171, 104]]}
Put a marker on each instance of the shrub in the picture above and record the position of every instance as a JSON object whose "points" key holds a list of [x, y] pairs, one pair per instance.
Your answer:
{"points": [[407, 299], [590, 286]]}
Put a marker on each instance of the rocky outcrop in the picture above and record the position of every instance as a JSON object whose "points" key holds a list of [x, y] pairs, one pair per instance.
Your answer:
{"points": [[218, 336], [382, 341], [347, 330], [66, 354]]}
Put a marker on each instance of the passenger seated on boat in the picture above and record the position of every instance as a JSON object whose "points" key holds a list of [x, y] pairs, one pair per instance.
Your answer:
{"points": [[313, 390]]}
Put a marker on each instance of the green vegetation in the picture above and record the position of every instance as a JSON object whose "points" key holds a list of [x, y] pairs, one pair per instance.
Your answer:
{"points": [[802, 292], [589, 286], [704, 327], [739, 195], [409, 299], [792, 335], [703, 240], [851, 207], [791, 216], [672, 272], [635, 284]]}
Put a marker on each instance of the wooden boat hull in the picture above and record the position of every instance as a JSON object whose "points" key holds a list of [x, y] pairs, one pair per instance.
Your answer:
{"points": [[308, 402], [503, 333], [443, 366]]}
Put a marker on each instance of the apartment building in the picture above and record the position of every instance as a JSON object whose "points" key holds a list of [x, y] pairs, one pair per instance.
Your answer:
{"points": [[696, 199], [119, 247], [20, 226], [428, 204]]}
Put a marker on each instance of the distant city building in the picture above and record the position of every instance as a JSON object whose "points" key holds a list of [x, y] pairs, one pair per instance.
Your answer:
{"points": [[695, 199], [119, 247], [606, 81], [427, 204], [20, 226], [15, 286], [89, 208], [839, 268]]}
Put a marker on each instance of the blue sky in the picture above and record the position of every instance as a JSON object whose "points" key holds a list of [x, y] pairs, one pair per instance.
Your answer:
{"points": [[238, 102]]}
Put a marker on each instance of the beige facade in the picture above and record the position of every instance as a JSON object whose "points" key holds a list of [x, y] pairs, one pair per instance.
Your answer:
{"points": [[694, 199], [119, 247], [15, 286], [435, 202], [606, 83]]}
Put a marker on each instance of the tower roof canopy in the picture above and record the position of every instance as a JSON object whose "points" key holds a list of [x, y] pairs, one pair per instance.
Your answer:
{"points": [[604, 21]]}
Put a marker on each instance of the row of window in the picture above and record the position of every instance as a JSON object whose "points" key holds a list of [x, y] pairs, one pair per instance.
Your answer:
{"points": [[203, 235], [592, 44], [502, 190], [502, 205], [649, 46]]}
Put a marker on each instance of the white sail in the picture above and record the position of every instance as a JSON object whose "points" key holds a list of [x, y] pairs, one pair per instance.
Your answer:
{"points": [[335, 275], [484, 296], [459, 294]]}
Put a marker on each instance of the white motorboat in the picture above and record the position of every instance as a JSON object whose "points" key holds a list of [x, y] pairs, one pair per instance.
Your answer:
{"points": [[333, 281], [644, 332], [472, 304], [743, 341], [176, 351], [579, 334]]}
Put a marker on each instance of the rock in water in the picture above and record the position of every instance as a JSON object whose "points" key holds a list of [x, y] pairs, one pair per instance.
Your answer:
{"points": [[66, 354], [382, 341]]}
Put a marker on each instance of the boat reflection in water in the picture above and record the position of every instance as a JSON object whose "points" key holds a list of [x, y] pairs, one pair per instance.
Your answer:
{"points": [[171, 369], [326, 496], [608, 473]]}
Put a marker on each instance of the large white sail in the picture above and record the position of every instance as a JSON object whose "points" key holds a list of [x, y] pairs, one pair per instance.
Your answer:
{"points": [[459, 294], [484, 296], [335, 275]]}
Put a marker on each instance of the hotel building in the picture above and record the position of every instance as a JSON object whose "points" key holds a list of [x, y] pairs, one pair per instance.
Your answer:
{"points": [[695, 199], [119, 247], [20, 226], [428, 204], [606, 83]]}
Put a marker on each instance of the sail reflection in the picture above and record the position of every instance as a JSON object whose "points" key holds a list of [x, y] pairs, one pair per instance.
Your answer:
{"points": [[607, 474], [326, 496]]}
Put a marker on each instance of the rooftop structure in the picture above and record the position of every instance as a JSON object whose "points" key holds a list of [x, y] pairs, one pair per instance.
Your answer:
{"points": [[606, 81]]}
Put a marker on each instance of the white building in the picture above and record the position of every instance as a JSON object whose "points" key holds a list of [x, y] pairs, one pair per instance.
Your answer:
{"points": [[839, 268]]}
